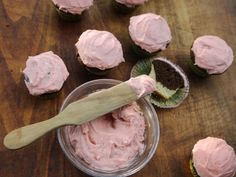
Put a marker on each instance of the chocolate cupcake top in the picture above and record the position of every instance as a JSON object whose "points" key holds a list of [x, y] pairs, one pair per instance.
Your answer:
{"points": [[73, 6], [212, 54], [169, 78], [167, 75], [99, 49], [150, 31]]}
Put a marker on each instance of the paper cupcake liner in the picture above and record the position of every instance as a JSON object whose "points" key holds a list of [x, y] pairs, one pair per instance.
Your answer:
{"points": [[141, 52], [196, 70], [50, 95], [121, 8], [67, 16], [192, 169], [144, 67], [95, 71]]}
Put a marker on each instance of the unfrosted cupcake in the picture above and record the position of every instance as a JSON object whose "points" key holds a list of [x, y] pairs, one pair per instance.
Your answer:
{"points": [[172, 85], [99, 51], [71, 9], [45, 73], [150, 33], [125, 6], [210, 55], [213, 157]]}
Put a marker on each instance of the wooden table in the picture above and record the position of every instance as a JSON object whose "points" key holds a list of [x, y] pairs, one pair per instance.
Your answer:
{"points": [[29, 27]]}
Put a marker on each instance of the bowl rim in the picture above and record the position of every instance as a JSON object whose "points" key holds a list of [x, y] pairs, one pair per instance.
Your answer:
{"points": [[151, 152]]}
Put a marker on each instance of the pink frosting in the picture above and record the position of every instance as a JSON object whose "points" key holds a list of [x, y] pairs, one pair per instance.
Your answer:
{"points": [[131, 2], [213, 157], [73, 6], [212, 54], [99, 49], [142, 85], [111, 141], [150, 31], [44, 73]]}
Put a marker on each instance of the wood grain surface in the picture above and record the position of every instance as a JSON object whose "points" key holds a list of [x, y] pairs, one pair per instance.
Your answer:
{"points": [[29, 27]]}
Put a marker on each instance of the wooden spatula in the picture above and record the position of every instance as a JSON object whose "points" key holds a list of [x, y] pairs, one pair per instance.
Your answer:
{"points": [[79, 112]]}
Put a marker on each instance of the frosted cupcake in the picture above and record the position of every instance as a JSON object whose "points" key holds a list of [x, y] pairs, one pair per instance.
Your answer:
{"points": [[125, 6], [150, 33], [213, 157], [99, 51], [210, 55], [44, 73], [71, 9], [172, 85]]}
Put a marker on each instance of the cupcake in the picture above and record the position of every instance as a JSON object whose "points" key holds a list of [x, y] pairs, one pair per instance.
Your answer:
{"points": [[44, 73], [150, 34], [172, 85], [213, 157], [210, 55], [71, 10], [99, 51], [125, 6]]}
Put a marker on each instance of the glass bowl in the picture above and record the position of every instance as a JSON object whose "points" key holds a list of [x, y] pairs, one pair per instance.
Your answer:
{"points": [[152, 133]]}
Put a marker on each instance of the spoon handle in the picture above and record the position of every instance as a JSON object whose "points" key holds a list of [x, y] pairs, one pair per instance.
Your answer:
{"points": [[25, 135], [78, 112]]}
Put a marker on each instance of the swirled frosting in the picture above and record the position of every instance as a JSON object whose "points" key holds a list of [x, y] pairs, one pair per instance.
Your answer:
{"points": [[212, 54], [111, 141], [73, 6], [142, 85], [150, 31], [44, 73], [131, 2], [99, 49], [213, 157]]}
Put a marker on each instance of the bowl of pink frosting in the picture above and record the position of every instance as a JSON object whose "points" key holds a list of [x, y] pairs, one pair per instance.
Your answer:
{"points": [[117, 144]]}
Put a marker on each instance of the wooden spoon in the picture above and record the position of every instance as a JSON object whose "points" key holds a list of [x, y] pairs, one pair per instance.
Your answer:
{"points": [[78, 112]]}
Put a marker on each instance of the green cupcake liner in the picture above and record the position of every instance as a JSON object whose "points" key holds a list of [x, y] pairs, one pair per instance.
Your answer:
{"points": [[192, 169], [144, 67], [121, 8], [67, 16], [196, 70]]}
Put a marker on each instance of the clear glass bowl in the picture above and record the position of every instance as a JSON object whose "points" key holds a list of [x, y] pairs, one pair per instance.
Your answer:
{"points": [[152, 132]]}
